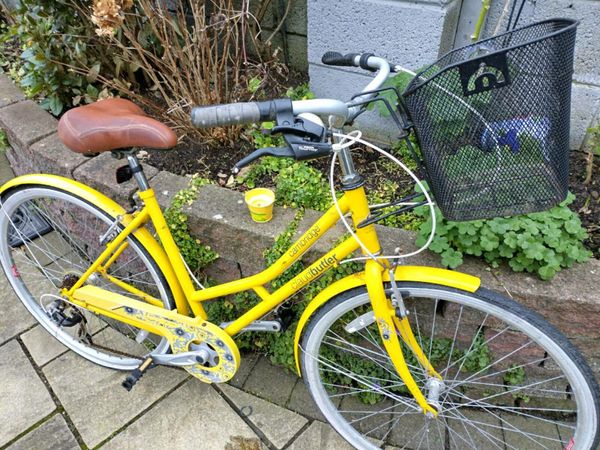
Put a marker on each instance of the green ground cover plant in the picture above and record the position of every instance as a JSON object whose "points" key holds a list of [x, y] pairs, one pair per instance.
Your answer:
{"points": [[541, 242], [196, 255], [593, 150]]}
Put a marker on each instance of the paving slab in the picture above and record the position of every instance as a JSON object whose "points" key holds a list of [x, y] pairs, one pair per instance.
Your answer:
{"points": [[477, 429], [278, 424], [47, 249], [42, 346], [320, 436], [24, 398], [371, 420], [51, 435], [246, 365], [9, 92], [14, 318], [524, 432], [407, 430], [270, 382], [95, 400], [193, 416], [301, 401]]}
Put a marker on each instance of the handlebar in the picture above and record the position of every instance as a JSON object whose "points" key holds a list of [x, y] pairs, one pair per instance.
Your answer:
{"points": [[366, 61], [302, 143], [253, 112]]}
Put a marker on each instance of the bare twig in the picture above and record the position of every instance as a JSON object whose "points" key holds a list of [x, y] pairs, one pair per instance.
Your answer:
{"points": [[281, 21]]}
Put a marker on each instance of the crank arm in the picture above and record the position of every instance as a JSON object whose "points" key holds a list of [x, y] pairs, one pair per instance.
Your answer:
{"points": [[181, 359]]}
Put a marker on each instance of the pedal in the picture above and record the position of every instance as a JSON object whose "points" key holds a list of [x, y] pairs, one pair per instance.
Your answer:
{"points": [[135, 376], [285, 316]]}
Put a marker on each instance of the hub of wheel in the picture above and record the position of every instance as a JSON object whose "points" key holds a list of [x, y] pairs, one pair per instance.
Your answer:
{"points": [[434, 387]]}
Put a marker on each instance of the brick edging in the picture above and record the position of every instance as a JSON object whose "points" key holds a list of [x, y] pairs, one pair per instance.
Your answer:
{"points": [[571, 300]]}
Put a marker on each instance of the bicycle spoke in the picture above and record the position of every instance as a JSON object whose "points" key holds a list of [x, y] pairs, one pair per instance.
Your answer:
{"points": [[490, 362]]}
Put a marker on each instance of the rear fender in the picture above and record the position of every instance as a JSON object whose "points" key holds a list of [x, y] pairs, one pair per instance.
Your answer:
{"points": [[114, 209], [420, 274]]}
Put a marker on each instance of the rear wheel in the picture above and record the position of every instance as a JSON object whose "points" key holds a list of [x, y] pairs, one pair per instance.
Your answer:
{"points": [[48, 238], [510, 379]]}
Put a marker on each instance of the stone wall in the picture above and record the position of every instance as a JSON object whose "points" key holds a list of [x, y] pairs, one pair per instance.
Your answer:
{"points": [[570, 300], [294, 31], [291, 37], [414, 34]]}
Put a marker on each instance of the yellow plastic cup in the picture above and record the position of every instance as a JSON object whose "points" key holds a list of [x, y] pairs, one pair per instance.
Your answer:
{"points": [[260, 203]]}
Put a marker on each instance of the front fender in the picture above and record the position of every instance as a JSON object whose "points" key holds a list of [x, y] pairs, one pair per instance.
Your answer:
{"points": [[114, 209], [420, 274]]}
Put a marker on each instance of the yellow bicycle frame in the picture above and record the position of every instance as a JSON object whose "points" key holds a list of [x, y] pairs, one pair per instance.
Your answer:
{"points": [[258, 283], [188, 300]]}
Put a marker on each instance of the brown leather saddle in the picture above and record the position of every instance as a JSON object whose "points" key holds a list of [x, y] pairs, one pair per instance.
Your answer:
{"points": [[112, 124]]}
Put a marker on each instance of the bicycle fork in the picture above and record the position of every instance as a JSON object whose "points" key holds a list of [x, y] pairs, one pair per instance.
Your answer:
{"points": [[390, 326]]}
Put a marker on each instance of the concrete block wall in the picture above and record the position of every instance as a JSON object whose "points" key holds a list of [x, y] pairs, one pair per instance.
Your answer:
{"points": [[295, 26], [409, 33], [295, 29], [585, 94], [414, 34]]}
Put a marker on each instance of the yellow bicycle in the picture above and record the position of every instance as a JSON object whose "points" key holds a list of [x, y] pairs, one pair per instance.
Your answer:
{"points": [[394, 354]]}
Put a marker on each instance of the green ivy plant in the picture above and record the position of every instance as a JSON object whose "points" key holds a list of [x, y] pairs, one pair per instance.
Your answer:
{"points": [[300, 92], [298, 185], [541, 242], [196, 255]]}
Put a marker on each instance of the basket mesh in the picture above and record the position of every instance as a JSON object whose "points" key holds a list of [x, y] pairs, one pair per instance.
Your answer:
{"points": [[492, 119]]}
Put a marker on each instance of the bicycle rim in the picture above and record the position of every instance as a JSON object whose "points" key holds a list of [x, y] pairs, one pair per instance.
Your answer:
{"points": [[47, 235], [510, 379]]}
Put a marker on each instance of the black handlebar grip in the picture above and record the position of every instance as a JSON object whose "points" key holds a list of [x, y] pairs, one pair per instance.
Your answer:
{"points": [[337, 59], [239, 113], [223, 115]]}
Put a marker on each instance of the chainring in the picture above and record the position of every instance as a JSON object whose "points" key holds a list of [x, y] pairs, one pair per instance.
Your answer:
{"points": [[184, 335]]}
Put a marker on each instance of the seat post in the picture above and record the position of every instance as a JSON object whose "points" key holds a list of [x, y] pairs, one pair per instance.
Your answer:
{"points": [[138, 171]]}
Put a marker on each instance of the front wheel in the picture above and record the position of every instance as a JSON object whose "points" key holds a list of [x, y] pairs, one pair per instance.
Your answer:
{"points": [[510, 379]]}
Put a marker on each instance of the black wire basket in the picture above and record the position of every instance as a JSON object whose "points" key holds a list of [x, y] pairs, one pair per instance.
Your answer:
{"points": [[492, 120]]}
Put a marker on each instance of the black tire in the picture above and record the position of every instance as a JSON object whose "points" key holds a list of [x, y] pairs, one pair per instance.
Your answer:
{"points": [[511, 376]]}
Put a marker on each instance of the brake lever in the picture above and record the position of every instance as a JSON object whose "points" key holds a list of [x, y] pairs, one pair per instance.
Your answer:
{"points": [[259, 153]]}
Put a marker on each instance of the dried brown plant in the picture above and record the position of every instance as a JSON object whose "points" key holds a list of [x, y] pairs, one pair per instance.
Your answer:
{"points": [[108, 15], [198, 53]]}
